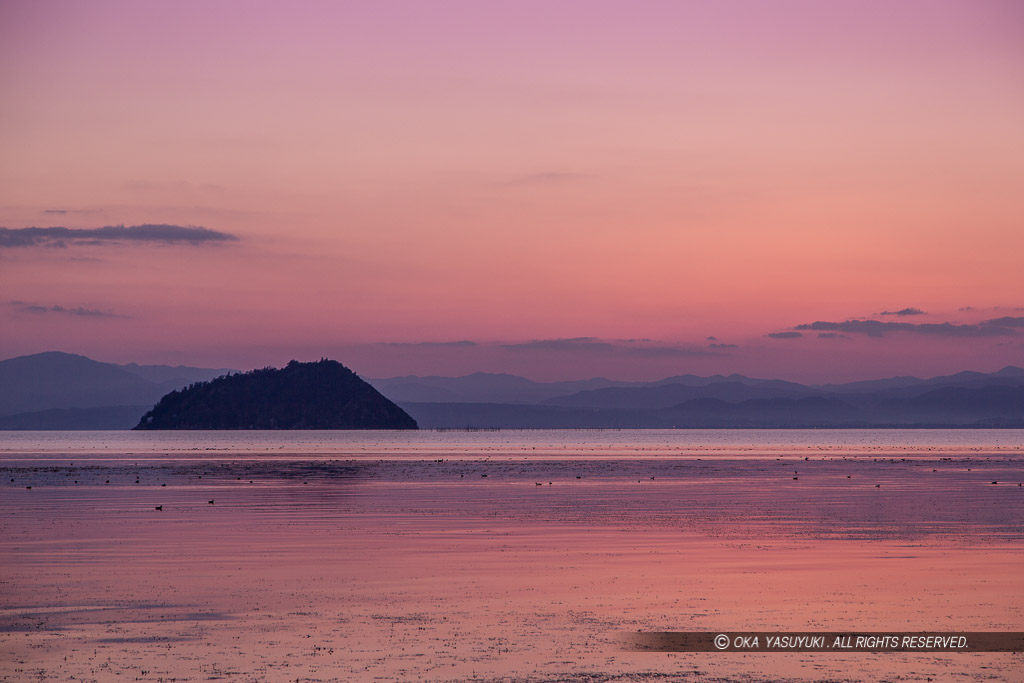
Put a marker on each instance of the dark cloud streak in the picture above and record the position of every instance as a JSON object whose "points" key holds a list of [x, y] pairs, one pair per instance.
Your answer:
{"points": [[1005, 321], [628, 347], [77, 310], [876, 328], [904, 312], [433, 344], [112, 234], [572, 344]]}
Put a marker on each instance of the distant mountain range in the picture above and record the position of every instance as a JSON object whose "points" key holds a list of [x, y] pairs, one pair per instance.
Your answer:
{"points": [[66, 391], [55, 390], [966, 399]]}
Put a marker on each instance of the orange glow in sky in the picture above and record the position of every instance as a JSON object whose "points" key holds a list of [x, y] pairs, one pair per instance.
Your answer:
{"points": [[640, 176]]}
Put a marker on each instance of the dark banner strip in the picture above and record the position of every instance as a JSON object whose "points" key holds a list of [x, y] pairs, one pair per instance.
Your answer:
{"points": [[823, 641]]}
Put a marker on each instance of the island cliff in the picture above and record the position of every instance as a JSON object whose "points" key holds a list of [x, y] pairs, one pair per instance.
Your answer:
{"points": [[320, 395]]}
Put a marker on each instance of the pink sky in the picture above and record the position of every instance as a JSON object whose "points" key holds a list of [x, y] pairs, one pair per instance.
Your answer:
{"points": [[505, 173]]}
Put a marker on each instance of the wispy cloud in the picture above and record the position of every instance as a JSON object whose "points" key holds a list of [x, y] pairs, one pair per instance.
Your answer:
{"points": [[977, 309], [673, 351], [644, 348], [784, 335], [1006, 321], [64, 212], [904, 312], [112, 234], [81, 311], [592, 346], [433, 344], [875, 328], [570, 344]]}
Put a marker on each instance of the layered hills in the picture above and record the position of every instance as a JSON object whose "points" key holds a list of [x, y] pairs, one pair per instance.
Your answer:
{"points": [[966, 399], [67, 391]]}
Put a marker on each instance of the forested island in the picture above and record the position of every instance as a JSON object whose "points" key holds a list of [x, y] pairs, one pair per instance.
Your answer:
{"points": [[319, 395]]}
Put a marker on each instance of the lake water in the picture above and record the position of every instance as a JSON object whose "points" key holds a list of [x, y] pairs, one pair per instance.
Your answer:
{"points": [[511, 555]]}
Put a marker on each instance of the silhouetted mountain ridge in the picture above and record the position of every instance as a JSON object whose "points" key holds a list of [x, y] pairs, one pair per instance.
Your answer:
{"points": [[948, 407], [665, 395], [55, 390], [483, 387], [608, 394], [103, 417], [54, 379]]}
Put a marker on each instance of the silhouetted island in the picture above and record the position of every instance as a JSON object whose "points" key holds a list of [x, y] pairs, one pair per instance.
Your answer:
{"points": [[320, 395]]}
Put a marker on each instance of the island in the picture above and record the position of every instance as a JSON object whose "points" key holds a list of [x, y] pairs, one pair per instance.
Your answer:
{"points": [[319, 395]]}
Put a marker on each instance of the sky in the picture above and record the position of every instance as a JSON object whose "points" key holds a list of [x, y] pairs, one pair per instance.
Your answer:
{"points": [[558, 190]]}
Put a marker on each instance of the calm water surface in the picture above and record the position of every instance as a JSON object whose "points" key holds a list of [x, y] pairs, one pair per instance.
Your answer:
{"points": [[511, 555], [735, 441]]}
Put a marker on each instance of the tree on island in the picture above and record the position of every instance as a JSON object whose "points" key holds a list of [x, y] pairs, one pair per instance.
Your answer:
{"points": [[320, 395]]}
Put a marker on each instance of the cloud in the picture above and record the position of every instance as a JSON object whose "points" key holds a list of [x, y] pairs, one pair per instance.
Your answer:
{"points": [[433, 344], [571, 344], [64, 212], [670, 351], [111, 234], [77, 310], [592, 346], [1005, 321], [975, 309], [785, 335], [876, 328], [644, 348], [904, 312]]}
